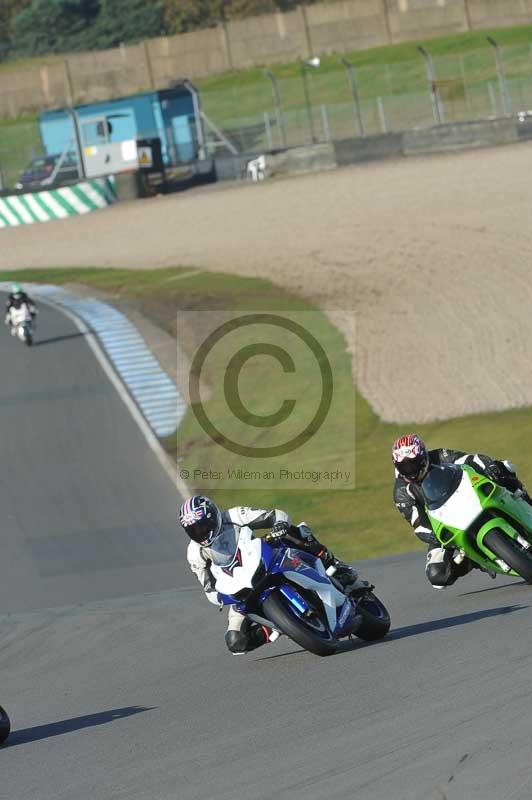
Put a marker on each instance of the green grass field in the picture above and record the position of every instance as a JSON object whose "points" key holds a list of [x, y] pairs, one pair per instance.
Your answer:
{"points": [[359, 523]]}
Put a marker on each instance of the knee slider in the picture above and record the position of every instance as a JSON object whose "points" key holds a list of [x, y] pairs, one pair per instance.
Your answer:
{"points": [[438, 574], [236, 641]]}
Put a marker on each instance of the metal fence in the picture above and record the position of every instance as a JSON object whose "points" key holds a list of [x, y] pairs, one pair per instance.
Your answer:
{"points": [[336, 100]]}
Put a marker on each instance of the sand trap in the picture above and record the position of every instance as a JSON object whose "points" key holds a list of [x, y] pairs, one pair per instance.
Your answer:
{"points": [[433, 256]]}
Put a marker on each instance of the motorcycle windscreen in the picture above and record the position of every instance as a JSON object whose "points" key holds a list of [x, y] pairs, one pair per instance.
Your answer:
{"points": [[224, 547], [440, 484], [235, 560], [457, 505]]}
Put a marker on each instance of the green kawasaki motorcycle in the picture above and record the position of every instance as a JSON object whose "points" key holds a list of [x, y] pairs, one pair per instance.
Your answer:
{"points": [[484, 522]]}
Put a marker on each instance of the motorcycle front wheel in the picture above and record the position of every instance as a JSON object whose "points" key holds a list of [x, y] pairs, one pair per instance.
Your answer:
{"points": [[511, 552], [375, 618], [309, 631], [5, 725]]}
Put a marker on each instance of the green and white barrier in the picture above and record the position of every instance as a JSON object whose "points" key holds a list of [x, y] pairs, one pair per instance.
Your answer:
{"points": [[68, 201]]}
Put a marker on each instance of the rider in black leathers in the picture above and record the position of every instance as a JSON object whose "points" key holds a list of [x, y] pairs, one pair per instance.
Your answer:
{"points": [[412, 462]]}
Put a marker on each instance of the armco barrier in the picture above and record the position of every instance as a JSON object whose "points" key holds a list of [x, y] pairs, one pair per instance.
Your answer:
{"points": [[368, 148], [68, 201], [423, 141], [460, 136]]}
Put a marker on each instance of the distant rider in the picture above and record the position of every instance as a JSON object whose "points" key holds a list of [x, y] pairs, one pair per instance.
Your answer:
{"points": [[16, 300], [204, 522], [412, 463]]}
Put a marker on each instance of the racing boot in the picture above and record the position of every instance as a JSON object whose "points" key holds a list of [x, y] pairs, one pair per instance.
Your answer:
{"points": [[250, 636], [346, 578]]}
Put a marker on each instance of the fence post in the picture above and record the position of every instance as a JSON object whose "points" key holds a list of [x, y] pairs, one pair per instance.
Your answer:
{"points": [[278, 108], [493, 99], [149, 68], [325, 122], [308, 39], [382, 116], [268, 129], [386, 15], [311, 62], [503, 86], [69, 83], [45, 83], [467, 12], [437, 108], [354, 91], [227, 45]]}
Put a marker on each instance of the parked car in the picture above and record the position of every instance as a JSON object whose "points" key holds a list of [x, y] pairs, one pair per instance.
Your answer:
{"points": [[43, 172]]}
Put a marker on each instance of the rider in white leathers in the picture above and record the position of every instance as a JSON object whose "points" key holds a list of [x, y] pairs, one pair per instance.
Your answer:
{"points": [[242, 634]]}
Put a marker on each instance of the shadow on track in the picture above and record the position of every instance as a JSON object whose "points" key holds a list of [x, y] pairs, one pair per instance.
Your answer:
{"points": [[495, 588], [26, 735], [430, 626], [282, 655], [450, 622], [55, 339]]}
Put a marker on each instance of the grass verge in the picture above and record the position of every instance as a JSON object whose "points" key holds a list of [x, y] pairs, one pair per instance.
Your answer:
{"points": [[358, 523]]}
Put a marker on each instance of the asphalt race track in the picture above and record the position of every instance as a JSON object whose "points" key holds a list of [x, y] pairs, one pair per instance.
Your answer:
{"points": [[113, 666]]}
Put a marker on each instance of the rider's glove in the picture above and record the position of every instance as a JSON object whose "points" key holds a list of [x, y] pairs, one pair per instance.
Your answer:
{"points": [[503, 475], [214, 598], [279, 530]]}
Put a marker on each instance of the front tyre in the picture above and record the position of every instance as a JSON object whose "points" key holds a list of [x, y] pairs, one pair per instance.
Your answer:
{"points": [[5, 725], [375, 618], [312, 633], [510, 552]]}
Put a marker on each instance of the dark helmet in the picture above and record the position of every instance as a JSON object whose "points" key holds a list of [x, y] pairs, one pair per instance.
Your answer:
{"points": [[201, 519], [411, 457]]}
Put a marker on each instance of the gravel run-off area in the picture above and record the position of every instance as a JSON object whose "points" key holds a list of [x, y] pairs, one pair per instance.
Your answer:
{"points": [[432, 255]]}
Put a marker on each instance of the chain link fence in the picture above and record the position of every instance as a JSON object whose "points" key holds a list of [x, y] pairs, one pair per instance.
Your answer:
{"points": [[328, 101]]}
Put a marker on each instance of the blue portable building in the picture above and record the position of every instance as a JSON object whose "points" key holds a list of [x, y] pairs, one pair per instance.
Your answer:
{"points": [[103, 135]]}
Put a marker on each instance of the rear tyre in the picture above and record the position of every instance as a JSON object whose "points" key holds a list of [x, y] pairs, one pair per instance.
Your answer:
{"points": [[510, 552], [5, 726], [313, 635], [375, 618]]}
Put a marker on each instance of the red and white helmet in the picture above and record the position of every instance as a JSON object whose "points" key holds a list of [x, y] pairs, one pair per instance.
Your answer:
{"points": [[411, 457]]}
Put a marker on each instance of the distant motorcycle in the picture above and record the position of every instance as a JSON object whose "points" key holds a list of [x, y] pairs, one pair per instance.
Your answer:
{"points": [[5, 725], [290, 591], [21, 320]]}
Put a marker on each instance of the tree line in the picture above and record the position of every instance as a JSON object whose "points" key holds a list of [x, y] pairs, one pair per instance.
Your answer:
{"points": [[36, 27]]}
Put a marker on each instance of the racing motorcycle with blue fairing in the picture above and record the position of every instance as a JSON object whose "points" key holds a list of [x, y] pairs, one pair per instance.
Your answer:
{"points": [[291, 592]]}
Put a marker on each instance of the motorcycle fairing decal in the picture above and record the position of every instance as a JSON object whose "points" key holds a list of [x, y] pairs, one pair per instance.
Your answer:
{"points": [[294, 598], [328, 594], [461, 509], [301, 562], [343, 618], [237, 562]]}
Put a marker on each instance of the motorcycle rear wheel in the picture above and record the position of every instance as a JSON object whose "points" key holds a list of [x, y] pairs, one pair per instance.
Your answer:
{"points": [[510, 552], [5, 725], [276, 608]]}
